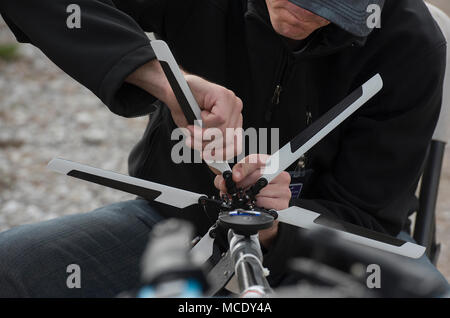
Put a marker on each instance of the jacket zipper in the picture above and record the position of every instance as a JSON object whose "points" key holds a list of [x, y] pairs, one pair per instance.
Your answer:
{"points": [[276, 96], [303, 161]]}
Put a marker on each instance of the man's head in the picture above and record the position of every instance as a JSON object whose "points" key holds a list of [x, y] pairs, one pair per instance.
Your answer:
{"points": [[297, 19], [292, 21]]}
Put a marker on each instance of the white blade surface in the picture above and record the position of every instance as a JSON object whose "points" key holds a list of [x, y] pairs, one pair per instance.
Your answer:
{"points": [[164, 54], [309, 220], [203, 250], [145, 189], [282, 159]]}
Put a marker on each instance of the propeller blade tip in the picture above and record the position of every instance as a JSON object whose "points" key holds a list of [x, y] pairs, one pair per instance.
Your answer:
{"points": [[58, 165], [375, 82]]}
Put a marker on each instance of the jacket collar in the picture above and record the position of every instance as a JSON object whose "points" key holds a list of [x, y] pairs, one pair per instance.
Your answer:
{"points": [[322, 42]]}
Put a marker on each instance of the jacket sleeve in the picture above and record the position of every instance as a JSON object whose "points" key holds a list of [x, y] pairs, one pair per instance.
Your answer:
{"points": [[108, 47]]}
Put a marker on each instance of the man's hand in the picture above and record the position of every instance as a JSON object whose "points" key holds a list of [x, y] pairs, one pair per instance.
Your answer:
{"points": [[276, 195], [221, 109]]}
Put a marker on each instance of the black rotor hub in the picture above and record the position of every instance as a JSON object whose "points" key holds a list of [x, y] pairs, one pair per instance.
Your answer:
{"points": [[246, 223]]}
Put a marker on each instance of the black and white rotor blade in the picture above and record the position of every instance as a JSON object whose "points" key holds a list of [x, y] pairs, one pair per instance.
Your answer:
{"points": [[309, 137], [310, 220], [203, 250], [142, 188], [182, 92], [177, 81]]}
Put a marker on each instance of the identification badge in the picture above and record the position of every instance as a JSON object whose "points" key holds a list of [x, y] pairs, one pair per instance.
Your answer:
{"points": [[298, 181]]}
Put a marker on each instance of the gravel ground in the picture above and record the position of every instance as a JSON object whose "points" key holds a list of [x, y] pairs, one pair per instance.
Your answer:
{"points": [[45, 114]]}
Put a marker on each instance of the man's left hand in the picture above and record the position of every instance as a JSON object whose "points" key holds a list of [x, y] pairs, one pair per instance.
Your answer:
{"points": [[276, 195]]}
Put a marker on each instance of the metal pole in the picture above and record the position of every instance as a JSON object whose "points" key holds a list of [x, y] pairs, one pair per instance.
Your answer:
{"points": [[247, 258], [428, 194]]}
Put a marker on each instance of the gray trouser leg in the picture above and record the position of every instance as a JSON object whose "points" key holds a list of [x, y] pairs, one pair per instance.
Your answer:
{"points": [[106, 244]]}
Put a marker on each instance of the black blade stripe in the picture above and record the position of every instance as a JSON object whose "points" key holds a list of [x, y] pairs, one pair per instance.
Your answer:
{"points": [[179, 94], [324, 120], [358, 230], [148, 194]]}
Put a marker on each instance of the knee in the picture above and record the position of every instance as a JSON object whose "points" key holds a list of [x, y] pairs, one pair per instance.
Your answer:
{"points": [[20, 260], [11, 273]]}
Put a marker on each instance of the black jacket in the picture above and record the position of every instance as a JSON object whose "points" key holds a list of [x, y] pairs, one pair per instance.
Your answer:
{"points": [[366, 171]]}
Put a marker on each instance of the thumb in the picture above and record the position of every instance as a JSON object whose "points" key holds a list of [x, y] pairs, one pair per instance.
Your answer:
{"points": [[247, 166]]}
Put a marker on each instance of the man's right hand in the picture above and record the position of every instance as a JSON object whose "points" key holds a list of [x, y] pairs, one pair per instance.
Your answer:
{"points": [[221, 108]]}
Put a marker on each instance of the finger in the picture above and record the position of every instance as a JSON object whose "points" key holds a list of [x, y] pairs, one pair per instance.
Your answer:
{"points": [[233, 141], [283, 178], [237, 111], [231, 144], [219, 148], [214, 151], [198, 138], [249, 180], [219, 183], [213, 118], [275, 192], [200, 89], [196, 132], [271, 203], [247, 166], [191, 143], [218, 152]]}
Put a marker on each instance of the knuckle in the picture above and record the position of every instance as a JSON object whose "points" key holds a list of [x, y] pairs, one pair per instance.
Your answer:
{"points": [[288, 194], [239, 104], [220, 119], [217, 180], [225, 92], [285, 177]]}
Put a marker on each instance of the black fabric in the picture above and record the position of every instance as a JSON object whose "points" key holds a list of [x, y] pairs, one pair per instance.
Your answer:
{"points": [[366, 171]]}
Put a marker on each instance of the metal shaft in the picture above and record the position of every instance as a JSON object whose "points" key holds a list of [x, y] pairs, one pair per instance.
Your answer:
{"points": [[246, 256]]}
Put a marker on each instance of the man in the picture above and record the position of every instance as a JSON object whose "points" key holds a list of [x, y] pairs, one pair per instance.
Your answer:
{"points": [[288, 62]]}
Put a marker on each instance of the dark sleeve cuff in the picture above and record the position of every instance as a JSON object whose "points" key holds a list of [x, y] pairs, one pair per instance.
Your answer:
{"points": [[20, 36], [122, 98]]}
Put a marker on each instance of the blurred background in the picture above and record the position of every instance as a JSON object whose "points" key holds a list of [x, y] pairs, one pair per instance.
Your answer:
{"points": [[45, 114]]}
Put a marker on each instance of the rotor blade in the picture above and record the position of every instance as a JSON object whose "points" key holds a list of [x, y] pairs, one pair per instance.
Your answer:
{"points": [[203, 250], [182, 92], [177, 81], [311, 220], [309, 137], [142, 188]]}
